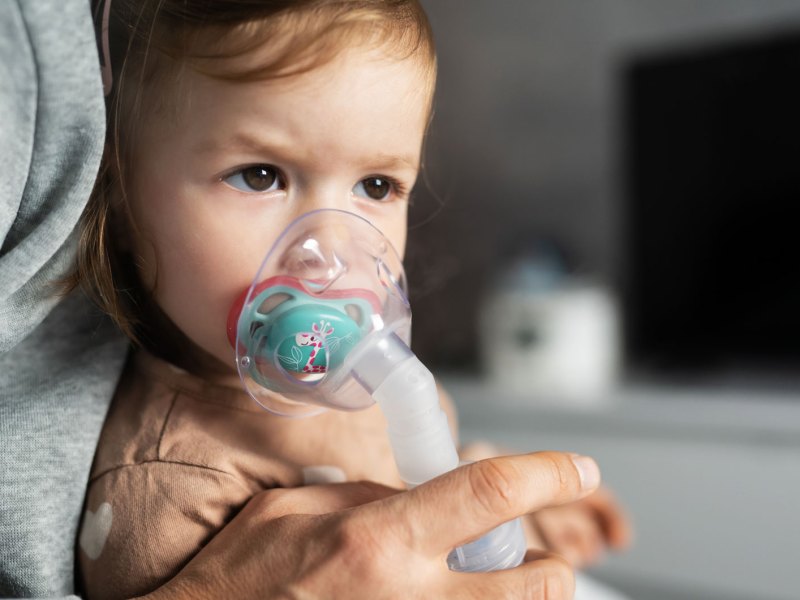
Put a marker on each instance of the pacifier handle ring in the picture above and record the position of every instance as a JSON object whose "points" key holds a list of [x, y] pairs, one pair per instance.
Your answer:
{"points": [[291, 282]]}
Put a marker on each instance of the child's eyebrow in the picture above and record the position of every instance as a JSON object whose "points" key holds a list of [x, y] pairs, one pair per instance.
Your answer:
{"points": [[243, 141], [390, 161], [236, 142]]}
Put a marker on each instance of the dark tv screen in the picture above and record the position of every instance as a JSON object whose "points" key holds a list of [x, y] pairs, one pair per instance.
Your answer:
{"points": [[713, 208]]}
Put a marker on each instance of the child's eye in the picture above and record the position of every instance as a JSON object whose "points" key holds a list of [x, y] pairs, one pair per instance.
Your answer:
{"points": [[258, 178], [374, 188]]}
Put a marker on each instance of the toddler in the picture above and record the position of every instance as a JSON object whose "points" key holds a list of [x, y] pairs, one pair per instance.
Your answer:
{"points": [[228, 120]]}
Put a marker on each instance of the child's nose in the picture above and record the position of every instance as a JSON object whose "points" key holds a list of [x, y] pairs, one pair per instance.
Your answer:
{"points": [[320, 256]]}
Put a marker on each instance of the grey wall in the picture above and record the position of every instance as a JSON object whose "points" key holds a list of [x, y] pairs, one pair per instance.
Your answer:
{"points": [[525, 140]]}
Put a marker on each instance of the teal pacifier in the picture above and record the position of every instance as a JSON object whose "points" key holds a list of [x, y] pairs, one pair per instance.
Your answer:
{"points": [[303, 335]]}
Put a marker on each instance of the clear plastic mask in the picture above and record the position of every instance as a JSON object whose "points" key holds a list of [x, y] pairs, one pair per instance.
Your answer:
{"points": [[329, 282], [326, 323]]}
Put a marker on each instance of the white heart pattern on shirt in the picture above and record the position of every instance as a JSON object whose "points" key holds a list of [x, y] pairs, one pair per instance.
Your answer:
{"points": [[94, 533]]}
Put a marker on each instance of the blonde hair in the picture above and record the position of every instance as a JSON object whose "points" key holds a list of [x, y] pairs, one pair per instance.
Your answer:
{"points": [[158, 39]]}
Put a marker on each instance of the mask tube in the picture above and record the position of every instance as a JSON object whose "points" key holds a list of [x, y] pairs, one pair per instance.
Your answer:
{"points": [[326, 324]]}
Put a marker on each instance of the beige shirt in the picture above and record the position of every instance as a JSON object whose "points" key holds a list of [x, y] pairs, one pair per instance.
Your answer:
{"points": [[179, 457]]}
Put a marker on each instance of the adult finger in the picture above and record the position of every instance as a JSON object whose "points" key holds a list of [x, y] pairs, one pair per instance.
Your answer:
{"points": [[463, 504], [317, 499], [543, 576]]}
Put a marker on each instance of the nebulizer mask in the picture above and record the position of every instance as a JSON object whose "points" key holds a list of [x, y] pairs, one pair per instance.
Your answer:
{"points": [[326, 324]]}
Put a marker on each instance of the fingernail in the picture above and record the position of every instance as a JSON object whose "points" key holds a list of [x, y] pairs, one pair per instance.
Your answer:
{"points": [[588, 471]]}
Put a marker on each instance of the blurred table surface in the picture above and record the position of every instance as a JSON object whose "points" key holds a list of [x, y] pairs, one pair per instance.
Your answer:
{"points": [[710, 477]]}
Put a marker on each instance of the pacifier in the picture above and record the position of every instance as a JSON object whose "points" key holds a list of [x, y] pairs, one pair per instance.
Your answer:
{"points": [[330, 281]]}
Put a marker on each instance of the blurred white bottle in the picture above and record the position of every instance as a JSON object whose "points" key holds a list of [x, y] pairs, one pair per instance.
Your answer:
{"points": [[550, 338]]}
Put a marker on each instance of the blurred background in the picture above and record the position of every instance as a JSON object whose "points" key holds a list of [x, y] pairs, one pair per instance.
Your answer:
{"points": [[603, 258]]}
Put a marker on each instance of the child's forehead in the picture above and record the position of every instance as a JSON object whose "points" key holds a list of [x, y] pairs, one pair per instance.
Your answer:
{"points": [[358, 106], [257, 64], [358, 77], [290, 55], [303, 38]]}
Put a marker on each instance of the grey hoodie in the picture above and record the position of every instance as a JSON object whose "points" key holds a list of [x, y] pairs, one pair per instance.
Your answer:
{"points": [[59, 361]]}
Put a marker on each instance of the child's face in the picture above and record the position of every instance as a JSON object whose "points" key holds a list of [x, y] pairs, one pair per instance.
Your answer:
{"points": [[212, 188]]}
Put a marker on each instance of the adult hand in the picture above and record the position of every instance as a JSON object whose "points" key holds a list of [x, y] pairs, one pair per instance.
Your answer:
{"points": [[579, 531], [363, 540]]}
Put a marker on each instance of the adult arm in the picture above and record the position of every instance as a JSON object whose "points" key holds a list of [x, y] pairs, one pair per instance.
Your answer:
{"points": [[52, 119], [367, 541], [59, 362]]}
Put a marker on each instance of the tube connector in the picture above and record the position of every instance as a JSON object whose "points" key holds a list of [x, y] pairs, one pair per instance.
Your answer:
{"points": [[406, 391], [422, 443]]}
